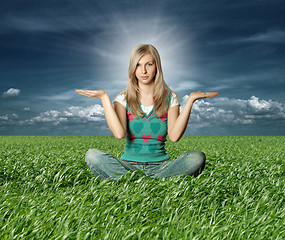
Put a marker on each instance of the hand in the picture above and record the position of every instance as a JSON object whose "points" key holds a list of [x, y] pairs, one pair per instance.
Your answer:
{"points": [[199, 95], [92, 93]]}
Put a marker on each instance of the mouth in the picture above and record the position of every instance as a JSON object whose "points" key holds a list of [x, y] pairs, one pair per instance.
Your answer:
{"points": [[144, 77]]}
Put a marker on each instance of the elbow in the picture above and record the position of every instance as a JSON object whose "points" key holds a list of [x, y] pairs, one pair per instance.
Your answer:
{"points": [[174, 138], [120, 135]]}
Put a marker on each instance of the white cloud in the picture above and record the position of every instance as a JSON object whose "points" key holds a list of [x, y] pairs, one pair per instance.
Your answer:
{"points": [[92, 113], [259, 105], [12, 92], [48, 116], [4, 117], [234, 112], [71, 115], [9, 119]]}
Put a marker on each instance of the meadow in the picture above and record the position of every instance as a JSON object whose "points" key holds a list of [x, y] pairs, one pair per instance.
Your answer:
{"points": [[48, 192]]}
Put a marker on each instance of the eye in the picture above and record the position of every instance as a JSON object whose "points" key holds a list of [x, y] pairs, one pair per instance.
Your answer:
{"points": [[138, 64], [150, 64]]}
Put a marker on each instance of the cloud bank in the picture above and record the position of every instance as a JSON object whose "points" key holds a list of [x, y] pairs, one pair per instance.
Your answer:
{"points": [[216, 113], [71, 115], [236, 113]]}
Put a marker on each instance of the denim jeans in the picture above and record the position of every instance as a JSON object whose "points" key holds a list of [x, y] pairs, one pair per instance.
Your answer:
{"points": [[105, 165]]}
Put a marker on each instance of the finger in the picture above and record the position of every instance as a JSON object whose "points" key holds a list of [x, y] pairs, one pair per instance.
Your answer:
{"points": [[91, 91], [84, 93], [79, 91], [215, 94], [211, 94]]}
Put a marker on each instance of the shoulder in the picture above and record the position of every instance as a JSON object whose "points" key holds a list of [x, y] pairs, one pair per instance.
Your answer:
{"points": [[174, 99], [121, 98]]}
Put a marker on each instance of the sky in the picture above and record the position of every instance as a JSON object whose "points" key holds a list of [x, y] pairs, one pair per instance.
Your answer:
{"points": [[48, 49]]}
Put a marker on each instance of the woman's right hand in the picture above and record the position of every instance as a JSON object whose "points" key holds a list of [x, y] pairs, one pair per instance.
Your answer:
{"points": [[113, 121], [92, 93]]}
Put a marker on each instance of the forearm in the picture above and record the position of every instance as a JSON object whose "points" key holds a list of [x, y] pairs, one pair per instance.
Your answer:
{"points": [[181, 122], [111, 117]]}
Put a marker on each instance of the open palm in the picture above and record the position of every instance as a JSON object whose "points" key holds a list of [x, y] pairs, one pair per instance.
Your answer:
{"points": [[199, 95], [92, 93]]}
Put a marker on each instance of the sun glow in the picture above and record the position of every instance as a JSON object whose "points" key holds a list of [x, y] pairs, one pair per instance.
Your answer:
{"points": [[126, 32]]}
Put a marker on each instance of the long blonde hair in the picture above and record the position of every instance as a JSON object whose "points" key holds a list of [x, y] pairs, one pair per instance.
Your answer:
{"points": [[160, 87]]}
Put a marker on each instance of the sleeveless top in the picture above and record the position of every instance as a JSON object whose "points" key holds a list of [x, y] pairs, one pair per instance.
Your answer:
{"points": [[146, 136]]}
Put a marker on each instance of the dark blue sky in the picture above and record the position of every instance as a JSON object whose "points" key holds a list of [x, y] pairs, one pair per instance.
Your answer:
{"points": [[50, 48]]}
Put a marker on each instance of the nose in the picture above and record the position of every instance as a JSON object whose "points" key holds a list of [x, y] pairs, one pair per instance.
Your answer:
{"points": [[143, 69]]}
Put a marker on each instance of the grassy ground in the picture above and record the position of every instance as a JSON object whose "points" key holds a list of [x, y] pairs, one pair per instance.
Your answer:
{"points": [[48, 192]]}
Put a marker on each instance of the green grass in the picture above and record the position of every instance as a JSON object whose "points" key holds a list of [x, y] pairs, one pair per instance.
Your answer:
{"points": [[48, 192]]}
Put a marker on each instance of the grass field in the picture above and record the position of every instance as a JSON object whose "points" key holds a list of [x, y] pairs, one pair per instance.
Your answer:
{"points": [[48, 192]]}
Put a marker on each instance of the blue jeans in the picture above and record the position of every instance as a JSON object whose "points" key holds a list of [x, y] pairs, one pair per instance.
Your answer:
{"points": [[105, 165]]}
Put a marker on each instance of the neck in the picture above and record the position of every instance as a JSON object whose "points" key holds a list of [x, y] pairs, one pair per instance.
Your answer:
{"points": [[146, 90]]}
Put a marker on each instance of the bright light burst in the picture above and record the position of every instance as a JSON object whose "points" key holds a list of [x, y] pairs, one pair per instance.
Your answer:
{"points": [[123, 33]]}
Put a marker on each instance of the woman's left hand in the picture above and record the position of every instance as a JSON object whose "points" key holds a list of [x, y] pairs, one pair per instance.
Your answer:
{"points": [[199, 95]]}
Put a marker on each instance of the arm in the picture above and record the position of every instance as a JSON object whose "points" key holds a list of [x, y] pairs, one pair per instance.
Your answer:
{"points": [[177, 123], [113, 121], [122, 114]]}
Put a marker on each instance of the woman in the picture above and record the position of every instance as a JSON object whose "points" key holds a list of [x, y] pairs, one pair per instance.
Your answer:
{"points": [[145, 113]]}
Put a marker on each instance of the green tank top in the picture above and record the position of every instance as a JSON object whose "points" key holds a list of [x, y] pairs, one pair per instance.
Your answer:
{"points": [[146, 137]]}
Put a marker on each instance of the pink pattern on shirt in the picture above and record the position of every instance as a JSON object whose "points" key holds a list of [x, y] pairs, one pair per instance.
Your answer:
{"points": [[132, 137], [130, 116], [146, 138], [160, 138], [163, 117]]}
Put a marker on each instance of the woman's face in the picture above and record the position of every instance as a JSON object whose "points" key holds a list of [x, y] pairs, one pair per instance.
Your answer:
{"points": [[146, 69]]}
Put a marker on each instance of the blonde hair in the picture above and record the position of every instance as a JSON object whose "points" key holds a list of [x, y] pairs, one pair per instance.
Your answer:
{"points": [[160, 87]]}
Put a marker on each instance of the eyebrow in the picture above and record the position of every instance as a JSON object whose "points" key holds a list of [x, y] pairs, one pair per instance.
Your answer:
{"points": [[147, 62]]}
